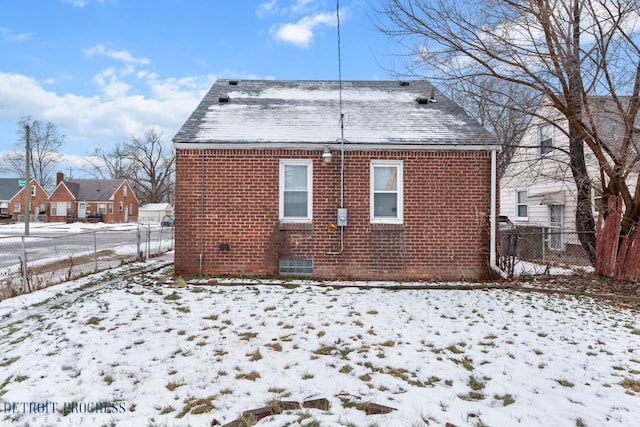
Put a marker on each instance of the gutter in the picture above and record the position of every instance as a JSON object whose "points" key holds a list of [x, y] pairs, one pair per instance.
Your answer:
{"points": [[493, 218]]}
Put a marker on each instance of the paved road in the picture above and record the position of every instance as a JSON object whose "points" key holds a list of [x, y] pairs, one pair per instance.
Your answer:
{"points": [[52, 243]]}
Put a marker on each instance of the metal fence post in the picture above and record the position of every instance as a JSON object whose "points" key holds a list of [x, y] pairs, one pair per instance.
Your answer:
{"points": [[24, 266], [138, 253], [148, 240], [95, 252]]}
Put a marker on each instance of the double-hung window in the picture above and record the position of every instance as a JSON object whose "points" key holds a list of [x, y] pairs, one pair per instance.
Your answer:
{"points": [[296, 180], [522, 209], [386, 192], [545, 139]]}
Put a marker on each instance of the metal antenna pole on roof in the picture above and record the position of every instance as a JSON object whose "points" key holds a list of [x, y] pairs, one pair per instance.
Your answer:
{"points": [[341, 140], [341, 113]]}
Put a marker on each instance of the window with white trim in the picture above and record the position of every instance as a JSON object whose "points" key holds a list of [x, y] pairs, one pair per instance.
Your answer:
{"points": [[33, 191], [545, 139], [386, 192], [296, 178], [522, 209], [60, 208], [16, 207]]}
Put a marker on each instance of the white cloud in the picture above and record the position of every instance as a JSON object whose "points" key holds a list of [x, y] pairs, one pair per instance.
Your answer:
{"points": [[300, 6], [8, 35], [267, 8], [301, 33], [77, 3], [120, 55], [110, 117]]}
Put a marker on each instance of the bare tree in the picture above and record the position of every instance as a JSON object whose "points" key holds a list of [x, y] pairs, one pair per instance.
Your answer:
{"points": [[45, 141], [147, 163], [105, 165], [564, 51], [501, 107]]}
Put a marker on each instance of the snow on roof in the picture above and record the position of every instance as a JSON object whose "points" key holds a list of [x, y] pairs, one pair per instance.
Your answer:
{"points": [[299, 112], [154, 207]]}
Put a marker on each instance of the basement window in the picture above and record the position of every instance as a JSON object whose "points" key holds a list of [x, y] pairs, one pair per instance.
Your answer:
{"points": [[296, 266]]}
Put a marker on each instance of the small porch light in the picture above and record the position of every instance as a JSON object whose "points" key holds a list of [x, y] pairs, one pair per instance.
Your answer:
{"points": [[326, 155]]}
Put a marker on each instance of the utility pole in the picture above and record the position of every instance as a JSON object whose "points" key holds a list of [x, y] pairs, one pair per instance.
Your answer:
{"points": [[27, 188]]}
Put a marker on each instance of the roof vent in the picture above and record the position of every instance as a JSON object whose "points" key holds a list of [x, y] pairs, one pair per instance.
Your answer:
{"points": [[233, 83], [425, 100], [223, 100], [403, 83]]}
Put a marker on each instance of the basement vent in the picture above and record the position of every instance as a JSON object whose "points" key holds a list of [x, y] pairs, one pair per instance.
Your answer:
{"points": [[223, 99], [296, 266], [233, 83]]}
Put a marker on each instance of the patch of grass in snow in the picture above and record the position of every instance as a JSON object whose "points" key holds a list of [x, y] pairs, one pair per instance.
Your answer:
{"points": [[325, 350], [174, 385], [453, 348], [466, 362], [255, 355], [564, 382], [211, 317], [4, 384], [346, 369], [165, 410], [387, 343], [172, 296], [193, 405], [92, 321], [247, 336], [474, 384], [251, 376], [274, 346], [631, 384], [506, 399], [9, 361]]}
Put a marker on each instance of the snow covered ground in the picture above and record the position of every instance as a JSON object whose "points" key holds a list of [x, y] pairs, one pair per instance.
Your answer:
{"points": [[146, 351]]}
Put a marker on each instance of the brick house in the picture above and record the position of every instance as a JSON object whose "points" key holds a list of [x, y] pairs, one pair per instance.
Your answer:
{"points": [[270, 180], [37, 202], [107, 200]]}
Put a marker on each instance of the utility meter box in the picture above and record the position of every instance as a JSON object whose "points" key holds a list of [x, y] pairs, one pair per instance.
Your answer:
{"points": [[342, 217]]}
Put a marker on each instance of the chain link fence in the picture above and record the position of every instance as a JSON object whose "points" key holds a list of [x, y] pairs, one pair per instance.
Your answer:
{"points": [[28, 263], [541, 250]]}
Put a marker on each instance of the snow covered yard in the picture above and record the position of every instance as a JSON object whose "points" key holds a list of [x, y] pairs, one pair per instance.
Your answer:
{"points": [[147, 352]]}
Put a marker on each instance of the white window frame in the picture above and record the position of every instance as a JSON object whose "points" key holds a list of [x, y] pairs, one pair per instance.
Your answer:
{"points": [[33, 191], [16, 207], [296, 162], [519, 203], [399, 218], [542, 133]]}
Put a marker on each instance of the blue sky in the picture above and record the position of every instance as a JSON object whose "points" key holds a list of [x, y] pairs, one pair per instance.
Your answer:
{"points": [[105, 70]]}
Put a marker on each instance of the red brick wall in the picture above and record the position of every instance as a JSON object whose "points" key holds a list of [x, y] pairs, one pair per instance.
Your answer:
{"points": [[444, 235]]}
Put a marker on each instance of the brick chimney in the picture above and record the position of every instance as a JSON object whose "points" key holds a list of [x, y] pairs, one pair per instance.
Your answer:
{"points": [[59, 177]]}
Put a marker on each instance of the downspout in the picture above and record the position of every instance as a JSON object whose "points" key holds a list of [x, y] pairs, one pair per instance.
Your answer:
{"points": [[201, 255], [492, 219]]}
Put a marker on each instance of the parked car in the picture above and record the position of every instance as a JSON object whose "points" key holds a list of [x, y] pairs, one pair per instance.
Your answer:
{"points": [[167, 221]]}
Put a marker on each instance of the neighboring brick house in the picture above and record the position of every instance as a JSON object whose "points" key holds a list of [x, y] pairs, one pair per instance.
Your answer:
{"points": [[37, 202], [255, 194], [107, 200]]}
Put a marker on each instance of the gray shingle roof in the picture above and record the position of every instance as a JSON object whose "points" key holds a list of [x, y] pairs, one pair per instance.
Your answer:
{"points": [[9, 187], [302, 112], [93, 189]]}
